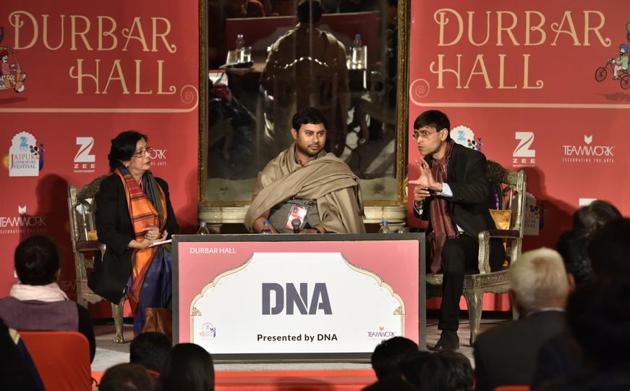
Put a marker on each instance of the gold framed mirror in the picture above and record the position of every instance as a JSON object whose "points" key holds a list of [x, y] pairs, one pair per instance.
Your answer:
{"points": [[259, 63]]}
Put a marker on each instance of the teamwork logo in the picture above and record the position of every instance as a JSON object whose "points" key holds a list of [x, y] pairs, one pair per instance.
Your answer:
{"points": [[618, 67], [465, 136], [158, 157], [12, 76], [22, 223], [588, 152], [25, 157]]}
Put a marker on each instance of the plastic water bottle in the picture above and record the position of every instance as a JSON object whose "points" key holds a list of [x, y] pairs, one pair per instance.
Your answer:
{"points": [[203, 229], [384, 228], [266, 230], [357, 52], [240, 46]]}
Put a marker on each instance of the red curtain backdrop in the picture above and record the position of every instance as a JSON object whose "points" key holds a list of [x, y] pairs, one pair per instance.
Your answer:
{"points": [[92, 71], [522, 77]]}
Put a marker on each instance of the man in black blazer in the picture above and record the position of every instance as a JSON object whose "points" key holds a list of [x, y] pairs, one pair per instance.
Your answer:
{"points": [[453, 193], [507, 353]]}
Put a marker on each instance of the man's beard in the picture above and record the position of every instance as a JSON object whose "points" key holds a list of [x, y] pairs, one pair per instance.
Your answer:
{"points": [[307, 152]]}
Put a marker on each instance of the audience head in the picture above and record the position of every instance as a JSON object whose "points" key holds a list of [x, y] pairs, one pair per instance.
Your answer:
{"points": [[609, 250], [412, 364], [188, 367], [150, 350], [388, 355], [123, 148], [447, 370], [309, 11], [538, 280], [36, 261], [598, 316], [390, 384], [595, 215], [573, 244], [126, 377]]}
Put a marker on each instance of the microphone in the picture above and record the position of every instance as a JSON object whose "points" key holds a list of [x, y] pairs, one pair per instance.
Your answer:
{"points": [[296, 225]]}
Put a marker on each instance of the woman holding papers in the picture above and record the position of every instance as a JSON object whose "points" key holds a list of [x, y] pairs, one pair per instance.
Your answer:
{"points": [[133, 214]]}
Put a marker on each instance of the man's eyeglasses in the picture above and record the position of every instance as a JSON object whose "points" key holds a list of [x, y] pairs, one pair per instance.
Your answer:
{"points": [[142, 152], [424, 133]]}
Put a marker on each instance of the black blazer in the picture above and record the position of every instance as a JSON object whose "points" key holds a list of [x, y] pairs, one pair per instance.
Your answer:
{"points": [[507, 354], [470, 204], [114, 229]]}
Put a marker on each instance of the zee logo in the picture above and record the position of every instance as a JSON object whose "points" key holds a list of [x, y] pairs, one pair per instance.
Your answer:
{"points": [[84, 160], [290, 298], [523, 154], [85, 147]]}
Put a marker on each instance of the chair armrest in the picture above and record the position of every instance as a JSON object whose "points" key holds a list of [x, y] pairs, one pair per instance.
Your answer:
{"points": [[90, 245], [484, 245], [504, 233]]}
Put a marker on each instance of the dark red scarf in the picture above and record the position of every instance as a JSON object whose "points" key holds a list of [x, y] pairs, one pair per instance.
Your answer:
{"points": [[441, 221]]}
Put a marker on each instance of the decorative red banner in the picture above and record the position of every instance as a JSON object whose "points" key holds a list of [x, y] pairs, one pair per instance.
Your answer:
{"points": [[542, 86], [73, 76]]}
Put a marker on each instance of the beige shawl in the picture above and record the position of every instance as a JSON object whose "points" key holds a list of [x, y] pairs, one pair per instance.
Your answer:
{"points": [[325, 179]]}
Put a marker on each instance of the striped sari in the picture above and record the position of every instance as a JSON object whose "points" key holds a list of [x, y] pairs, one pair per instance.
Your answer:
{"points": [[150, 282]]}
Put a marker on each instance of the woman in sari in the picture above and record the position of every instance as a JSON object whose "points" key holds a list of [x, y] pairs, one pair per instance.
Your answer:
{"points": [[133, 212]]}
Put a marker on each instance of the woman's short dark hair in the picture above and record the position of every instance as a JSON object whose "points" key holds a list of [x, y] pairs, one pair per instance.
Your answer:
{"points": [[598, 317], [125, 377], [150, 349], [447, 370], [36, 261], [188, 367], [308, 115], [595, 215], [123, 147]]}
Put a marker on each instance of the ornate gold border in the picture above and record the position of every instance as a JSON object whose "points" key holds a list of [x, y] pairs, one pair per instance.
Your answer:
{"points": [[402, 104], [202, 149], [194, 311]]}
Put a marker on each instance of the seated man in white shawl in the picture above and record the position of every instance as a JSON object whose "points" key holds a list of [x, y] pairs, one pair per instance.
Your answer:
{"points": [[305, 189]]}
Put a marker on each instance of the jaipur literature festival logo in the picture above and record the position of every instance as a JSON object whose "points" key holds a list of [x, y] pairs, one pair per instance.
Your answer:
{"points": [[26, 158], [589, 151], [465, 136]]}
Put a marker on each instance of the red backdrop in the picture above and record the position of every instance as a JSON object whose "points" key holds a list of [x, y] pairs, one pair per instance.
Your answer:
{"points": [[523, 80], [93, 70]]}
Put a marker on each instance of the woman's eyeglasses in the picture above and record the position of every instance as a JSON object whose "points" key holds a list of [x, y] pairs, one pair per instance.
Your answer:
{"points": [[142, 152]]}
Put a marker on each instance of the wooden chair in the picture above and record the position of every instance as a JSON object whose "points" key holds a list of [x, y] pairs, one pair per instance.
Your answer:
{"points": [[513, 187], [85, 247], [62, 359]]}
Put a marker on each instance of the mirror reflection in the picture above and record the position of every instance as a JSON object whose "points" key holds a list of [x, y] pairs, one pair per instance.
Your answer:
{"points": [[270, 58]]}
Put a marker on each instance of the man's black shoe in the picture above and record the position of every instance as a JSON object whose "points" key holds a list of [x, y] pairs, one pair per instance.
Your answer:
{"points": [[448, 341]]}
